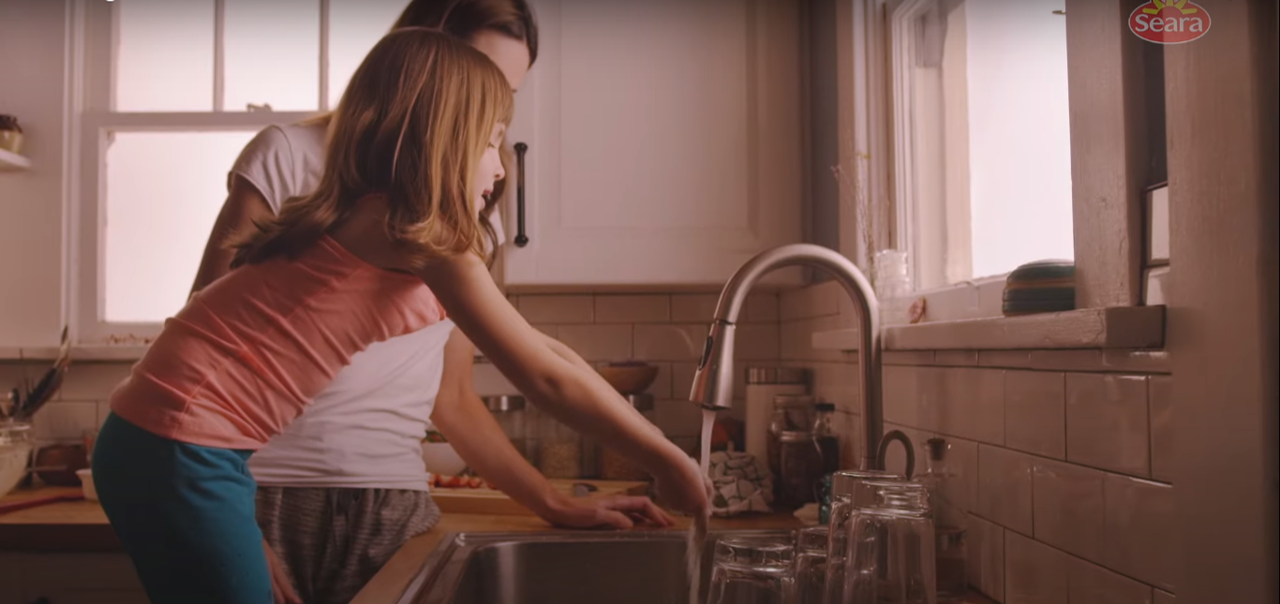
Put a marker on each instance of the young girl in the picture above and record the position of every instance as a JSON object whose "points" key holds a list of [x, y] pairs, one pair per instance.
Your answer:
{"points": [[411, 156], [344, 486]]}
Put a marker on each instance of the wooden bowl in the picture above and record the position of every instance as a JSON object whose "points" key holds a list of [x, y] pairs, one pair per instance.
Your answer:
{"points": [[629, 378]]}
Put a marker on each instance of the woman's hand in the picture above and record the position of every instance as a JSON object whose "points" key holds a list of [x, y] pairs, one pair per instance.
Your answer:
{"points": [[281, 586], [619, 512]]}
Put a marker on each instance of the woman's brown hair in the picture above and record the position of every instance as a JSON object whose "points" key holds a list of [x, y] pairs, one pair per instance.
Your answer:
{"points": [[465, 18], [412, 126]]}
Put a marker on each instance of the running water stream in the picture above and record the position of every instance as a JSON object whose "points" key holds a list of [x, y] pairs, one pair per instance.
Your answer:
{"points": [[698, 531]]}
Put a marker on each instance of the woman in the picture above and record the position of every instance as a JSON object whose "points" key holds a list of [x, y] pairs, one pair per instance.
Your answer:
{"points": [[344, 486]]}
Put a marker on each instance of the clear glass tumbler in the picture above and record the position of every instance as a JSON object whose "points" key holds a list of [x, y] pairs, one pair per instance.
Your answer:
{"points": [[811, 565], [845, 485], [891, 548], [753, 570]]}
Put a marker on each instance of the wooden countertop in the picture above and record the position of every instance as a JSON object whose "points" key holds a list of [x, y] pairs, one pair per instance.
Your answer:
{"points": [[81, 526]]}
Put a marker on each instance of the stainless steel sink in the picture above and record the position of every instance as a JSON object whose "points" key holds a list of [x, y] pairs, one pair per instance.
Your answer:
{"points": [[634, 567]]}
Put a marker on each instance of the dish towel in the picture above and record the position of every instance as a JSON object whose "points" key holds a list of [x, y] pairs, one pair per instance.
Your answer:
{"points": [[741, 482]]}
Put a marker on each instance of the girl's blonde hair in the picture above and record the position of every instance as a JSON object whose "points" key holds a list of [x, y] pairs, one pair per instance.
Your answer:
{"points": [[412, 125]]}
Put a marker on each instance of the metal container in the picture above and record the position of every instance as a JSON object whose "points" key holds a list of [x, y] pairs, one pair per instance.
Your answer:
{"points": [[510, 413]]}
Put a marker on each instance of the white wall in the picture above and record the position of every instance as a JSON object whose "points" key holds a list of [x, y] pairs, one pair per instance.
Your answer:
{"points": [[32, 88], [1019, 133]]}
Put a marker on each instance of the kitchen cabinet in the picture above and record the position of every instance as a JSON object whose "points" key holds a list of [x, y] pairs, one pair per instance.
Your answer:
{"points": [[663, 143], [69, 578]]}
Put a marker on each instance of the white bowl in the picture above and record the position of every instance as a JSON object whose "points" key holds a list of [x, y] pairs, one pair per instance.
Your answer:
{"points": [[86, 483], [442, 459]]}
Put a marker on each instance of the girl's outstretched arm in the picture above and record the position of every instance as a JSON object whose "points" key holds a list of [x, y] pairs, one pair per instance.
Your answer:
{"points": [[577, 396]]}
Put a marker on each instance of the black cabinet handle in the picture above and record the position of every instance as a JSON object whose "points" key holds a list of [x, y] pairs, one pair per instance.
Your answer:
{"points": [[521, 238]]}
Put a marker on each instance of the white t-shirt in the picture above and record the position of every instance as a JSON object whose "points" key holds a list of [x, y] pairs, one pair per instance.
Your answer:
{"points": [[366, 429]]}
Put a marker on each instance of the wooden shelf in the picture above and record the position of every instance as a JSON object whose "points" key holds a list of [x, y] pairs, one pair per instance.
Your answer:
{"points": [[12, 162], [1095, 328]]}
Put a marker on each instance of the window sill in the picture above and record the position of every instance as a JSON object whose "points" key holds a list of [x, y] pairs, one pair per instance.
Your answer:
{"points": [[120, 352], [1094, 328]]}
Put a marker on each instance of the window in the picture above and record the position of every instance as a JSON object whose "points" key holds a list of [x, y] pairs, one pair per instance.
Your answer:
{"points": [[981, 148], [171, 92]]}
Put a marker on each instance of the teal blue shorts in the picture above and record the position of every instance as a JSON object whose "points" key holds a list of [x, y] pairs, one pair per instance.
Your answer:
{"points": [[184, 514]]}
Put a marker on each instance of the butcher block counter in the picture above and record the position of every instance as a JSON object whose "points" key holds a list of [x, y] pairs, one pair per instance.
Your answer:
{"points": [[80, 526]]}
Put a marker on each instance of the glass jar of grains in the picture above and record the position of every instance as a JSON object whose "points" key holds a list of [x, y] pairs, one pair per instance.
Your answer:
{"points": [[615, 466], [559, 449]]}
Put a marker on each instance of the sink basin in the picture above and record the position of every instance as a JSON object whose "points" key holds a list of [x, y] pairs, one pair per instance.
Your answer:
{"points": [[563, 567]]}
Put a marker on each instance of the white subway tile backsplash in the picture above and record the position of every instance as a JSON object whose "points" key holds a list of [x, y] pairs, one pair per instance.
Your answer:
{"points": [[598, 342], [972, 404], [754, 342], [558, 309], [1069, 508], [1089, 583], [675, 342], [986, 557], [906, 357], [818, 300], [1034, 573], [763, 307], [1107, 423], [797, 339], [1004, 488], [1035, 416], [1141, 540], [956, 358], [693, 308], [632, 309], [1160, 393]]}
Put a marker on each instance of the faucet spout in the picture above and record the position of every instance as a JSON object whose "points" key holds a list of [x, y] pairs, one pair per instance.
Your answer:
{"points": [[713, 382]]}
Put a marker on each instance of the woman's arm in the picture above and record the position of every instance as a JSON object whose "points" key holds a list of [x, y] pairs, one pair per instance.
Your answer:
{"points": [[244, 205], [575, 395], [462, 417]]}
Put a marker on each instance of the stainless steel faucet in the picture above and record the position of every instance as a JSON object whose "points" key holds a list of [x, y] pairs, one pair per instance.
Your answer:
{"points": [[713, 382]]}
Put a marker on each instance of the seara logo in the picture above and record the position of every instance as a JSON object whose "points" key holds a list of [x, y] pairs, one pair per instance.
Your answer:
{"points": [[1169, 22]]}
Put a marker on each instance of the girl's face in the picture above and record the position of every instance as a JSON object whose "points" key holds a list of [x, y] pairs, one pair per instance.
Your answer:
{"points": [[490, 169]]}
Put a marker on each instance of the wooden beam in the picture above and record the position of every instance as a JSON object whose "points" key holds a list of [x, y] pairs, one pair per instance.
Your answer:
{"points": [[1221, 93], [1109, 151]]}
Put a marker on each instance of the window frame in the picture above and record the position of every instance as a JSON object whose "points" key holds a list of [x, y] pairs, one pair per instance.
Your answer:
{"points": [[1105, 93], [92, 121]]}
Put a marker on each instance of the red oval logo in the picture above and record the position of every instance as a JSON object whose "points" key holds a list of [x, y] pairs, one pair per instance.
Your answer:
{"points": [[1169, 22]]}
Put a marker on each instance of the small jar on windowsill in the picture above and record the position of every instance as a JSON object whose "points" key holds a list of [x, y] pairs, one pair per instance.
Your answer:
{"points": [[10, 134]]}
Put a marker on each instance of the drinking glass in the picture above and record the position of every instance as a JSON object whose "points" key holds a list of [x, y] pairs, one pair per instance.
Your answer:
{"points": [[845, 485], [891, 548], [752, 570]]}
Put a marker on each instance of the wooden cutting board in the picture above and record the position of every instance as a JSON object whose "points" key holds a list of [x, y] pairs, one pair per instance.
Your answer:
{"points": [[492, 501]]}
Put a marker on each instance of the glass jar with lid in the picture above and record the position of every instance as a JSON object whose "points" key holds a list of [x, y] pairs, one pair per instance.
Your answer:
{"points": [[559, 449], [509, 411], [791, 413], [615, 466], [15, 453]]}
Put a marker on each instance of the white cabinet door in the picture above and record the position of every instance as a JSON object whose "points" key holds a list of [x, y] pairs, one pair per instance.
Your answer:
{"points": [[664, 142]]}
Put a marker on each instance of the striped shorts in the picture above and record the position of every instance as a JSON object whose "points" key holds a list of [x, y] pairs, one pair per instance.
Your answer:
{"points": [[332, 541]]}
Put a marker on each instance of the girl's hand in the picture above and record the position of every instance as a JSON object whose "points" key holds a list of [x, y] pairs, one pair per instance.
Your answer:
{"points": [[619, 512], [682, 486]]}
